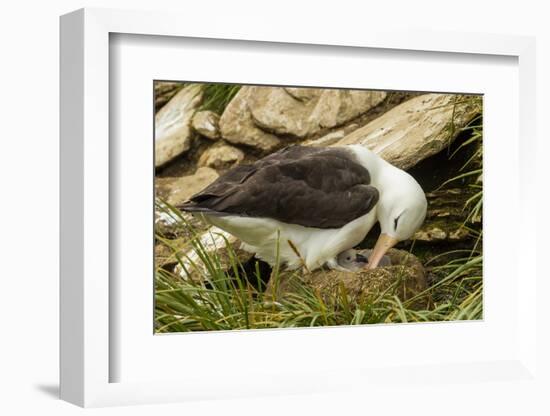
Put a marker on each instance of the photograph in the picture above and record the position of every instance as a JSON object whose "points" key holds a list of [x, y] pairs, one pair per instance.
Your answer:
{"points": [[313, 206]]}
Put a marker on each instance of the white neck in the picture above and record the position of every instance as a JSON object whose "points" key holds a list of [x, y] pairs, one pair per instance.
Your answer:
{"points": [[377, 167]]}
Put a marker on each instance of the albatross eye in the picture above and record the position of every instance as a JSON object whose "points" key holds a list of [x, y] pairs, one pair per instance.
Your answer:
{"points": [[396, 220]]}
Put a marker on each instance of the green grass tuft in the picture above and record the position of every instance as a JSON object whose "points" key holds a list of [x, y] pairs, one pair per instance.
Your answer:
{"points": [[217, 96]]}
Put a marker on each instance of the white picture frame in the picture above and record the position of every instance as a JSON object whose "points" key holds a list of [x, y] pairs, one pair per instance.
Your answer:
{"points": [[86, 353]]}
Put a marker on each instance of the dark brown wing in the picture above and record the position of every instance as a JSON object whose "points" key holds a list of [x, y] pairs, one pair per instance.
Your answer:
{"points": [[313, 187]]}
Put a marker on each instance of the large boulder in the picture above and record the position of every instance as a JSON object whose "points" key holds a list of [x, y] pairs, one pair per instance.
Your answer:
{"points": [[237, 126], [415, 129], [261, 116], [304, 112], [173, 133]]}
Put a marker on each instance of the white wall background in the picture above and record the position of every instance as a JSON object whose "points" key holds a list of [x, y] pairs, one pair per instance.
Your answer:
{"points": [[29, 57]]}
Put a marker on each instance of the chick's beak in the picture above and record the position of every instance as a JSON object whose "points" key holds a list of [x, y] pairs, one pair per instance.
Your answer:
{"points": [[383, 244], [361, 259]]}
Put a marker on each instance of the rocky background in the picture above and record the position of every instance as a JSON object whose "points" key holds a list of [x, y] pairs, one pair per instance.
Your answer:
{"points": [[202, 130]]}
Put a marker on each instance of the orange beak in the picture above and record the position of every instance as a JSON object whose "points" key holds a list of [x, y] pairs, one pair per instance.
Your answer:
{"points": [[383, 244]]}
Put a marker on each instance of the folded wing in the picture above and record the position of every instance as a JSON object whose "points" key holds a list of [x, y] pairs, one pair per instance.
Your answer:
{"points": [[313, 187]]}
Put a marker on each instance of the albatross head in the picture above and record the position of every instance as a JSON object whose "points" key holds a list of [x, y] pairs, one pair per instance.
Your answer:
{"points": [[402, 206], [401, 211]]}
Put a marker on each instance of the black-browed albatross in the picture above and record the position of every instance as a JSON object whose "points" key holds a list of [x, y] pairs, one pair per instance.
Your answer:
{"points": [[305, 205]]}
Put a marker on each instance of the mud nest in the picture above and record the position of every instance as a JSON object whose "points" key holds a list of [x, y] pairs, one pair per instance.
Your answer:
{"points": [[405, 278]]}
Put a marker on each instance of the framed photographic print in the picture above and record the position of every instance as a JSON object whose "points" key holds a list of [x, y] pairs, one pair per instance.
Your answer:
{"points": [[284, 213], [266, 197]]}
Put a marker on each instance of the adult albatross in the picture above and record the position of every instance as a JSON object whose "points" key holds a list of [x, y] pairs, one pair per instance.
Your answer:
{"points": [[305, 205]]}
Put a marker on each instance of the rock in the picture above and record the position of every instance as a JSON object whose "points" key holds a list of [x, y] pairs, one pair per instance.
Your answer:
{"points": [[333, 137], [237, 126], [221, 156], [169, 221], [328, 139], [257, 116], [173, 134], [431, 234], [173, 224], [350, 127], [303, 112], [216, 244], [445, 217], [166, 221], [164, 91], [206, 124], [406, 273], [415, 129], [178, 190], [301, 94]]}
